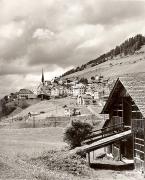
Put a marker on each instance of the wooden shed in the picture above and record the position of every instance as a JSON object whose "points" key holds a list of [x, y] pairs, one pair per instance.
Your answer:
{"points": [[126, 109]]}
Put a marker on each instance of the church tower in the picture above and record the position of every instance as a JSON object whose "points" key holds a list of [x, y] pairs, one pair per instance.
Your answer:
{"points": [[42, 78]]}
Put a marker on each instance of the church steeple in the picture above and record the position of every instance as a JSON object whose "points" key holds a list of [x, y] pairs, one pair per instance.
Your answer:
{"points": [[42, 79]]}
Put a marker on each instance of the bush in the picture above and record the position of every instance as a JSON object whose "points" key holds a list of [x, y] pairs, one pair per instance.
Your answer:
{"points": [[24, 104], [76, 133]]}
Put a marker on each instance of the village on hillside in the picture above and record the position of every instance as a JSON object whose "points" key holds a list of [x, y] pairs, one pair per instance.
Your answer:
{"points": [[93, 92], [108, 112], [115, 109], [72, 90]]}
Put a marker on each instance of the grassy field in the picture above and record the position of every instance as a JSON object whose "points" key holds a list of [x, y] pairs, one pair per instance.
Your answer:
{"points": [[52, 107], [18, 146], [30, 140]]}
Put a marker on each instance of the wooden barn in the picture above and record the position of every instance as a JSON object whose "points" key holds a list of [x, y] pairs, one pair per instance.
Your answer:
{"points": [[122, 134], [126, 109]]}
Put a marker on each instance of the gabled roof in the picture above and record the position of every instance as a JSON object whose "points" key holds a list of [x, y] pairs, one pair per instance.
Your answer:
{"points": [[25, 91], [135, 87]]}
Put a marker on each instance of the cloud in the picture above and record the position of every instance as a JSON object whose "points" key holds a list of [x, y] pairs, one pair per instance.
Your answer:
{"points": [[59, 34], [43, 34], [112, 12]]}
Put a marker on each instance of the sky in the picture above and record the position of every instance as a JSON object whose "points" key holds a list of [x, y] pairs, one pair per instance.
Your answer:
{"points": [[57, 35]]}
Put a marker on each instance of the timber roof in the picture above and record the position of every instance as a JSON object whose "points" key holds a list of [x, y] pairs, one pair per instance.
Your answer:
{"points": [[135, 87], [106, 141]]}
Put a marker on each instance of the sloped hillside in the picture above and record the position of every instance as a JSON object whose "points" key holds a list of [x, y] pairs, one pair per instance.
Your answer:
{"points": [[52, 107], [115, 67]]}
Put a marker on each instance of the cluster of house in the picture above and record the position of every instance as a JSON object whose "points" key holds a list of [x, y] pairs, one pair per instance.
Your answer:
{"points": [[84, 93]]}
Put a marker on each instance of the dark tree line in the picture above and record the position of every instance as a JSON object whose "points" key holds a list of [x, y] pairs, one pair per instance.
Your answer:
{"points": [[71, 71], [7, 105], [128, 47]]}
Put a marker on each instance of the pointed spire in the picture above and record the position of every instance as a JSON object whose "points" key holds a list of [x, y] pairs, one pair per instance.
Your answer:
{"points": [[42, 79]]}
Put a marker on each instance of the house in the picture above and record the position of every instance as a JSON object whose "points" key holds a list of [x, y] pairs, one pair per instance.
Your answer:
{"points": [[47, 83], [96, 95], [71, 111], [100, 91], [78, 89], [62, 91], [44, 91], [26, 94], [69, 90], [126, 109], [84, 99], [54, 91], [89, 90], [57, 91]]}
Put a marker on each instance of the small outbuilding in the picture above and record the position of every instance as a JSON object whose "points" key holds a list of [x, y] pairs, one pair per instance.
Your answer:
{"points": [[126, 109]]}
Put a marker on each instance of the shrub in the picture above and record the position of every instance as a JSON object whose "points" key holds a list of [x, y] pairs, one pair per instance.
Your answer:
{"points": [[76, 133], [24, 104]]}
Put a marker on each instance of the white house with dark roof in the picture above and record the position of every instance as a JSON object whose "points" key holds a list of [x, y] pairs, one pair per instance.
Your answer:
{"points": [[78, 89], [26, 94]]}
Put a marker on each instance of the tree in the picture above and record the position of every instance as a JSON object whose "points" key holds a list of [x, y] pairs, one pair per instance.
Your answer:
{"points": [[76, 133], [3, 105], [7, 109], [83, 80], [24, 104], [92, 78]]}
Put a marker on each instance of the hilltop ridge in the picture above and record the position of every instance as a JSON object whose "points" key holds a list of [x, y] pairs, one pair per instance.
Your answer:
{"points": [[125, 58]]}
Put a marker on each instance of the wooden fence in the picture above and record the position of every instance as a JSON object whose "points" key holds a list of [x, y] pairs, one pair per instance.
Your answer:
{"points": [[36, 121]]}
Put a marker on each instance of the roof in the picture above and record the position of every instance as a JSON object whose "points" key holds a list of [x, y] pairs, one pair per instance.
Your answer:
{"points": [[48, 82], [72, 107], [135, 87], [80, 85], [86, 96], [25, 91], [106, 141]]}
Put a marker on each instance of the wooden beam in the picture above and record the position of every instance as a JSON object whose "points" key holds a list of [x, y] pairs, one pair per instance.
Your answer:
{"points": [[88, 158], [93, 155], [120, 151], [144, 148]]}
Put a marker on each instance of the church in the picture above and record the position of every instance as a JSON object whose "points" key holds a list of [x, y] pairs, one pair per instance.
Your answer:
{"points": [[44, 88]]}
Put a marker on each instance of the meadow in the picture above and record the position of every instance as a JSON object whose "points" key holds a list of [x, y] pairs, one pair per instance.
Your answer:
{"points": [[26, 154]]}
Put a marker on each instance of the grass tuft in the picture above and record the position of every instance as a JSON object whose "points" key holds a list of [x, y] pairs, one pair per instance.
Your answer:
{"points": [[63, 161]]}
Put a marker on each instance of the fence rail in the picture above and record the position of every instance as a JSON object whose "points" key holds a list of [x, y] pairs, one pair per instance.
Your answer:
{"points": [[105, 132], [38, 121]]}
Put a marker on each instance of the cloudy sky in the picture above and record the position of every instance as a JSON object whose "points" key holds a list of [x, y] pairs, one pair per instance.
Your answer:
{"points": [[60, 34]]}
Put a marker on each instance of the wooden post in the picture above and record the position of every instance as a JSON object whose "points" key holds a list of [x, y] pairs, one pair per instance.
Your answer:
{"points": [[144, 146], [88, 158], [33, 121], [120, 151], [93, 155]]}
